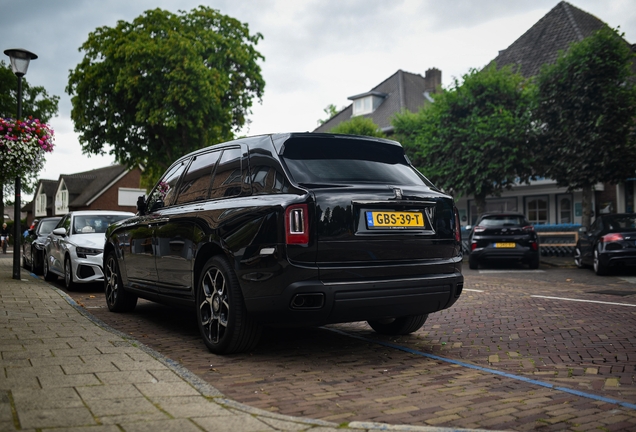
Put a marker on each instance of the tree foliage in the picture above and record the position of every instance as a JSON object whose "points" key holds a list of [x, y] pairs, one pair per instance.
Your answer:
{"points": [[164, 85], [36, 101], [331, 111], [586, 106], [475, 139], [358, 126]]}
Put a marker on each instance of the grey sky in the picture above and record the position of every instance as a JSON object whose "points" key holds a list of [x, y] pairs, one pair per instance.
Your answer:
{"points": [[317, 52]]}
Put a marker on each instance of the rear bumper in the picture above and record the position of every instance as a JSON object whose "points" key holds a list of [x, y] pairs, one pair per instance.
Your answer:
{"points": [[348, 301], [618, 258], [492, 254]]}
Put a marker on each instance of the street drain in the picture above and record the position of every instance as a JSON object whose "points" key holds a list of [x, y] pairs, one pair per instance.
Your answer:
{"points": [[613, 292]]}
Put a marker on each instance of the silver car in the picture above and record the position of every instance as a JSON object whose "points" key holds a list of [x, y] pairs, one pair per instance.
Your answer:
{"points": [[74, 249]]}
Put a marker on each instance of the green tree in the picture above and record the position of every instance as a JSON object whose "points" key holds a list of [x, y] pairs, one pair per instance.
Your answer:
{"points": [[331, 111], [164, 85], [475, 139], [37, 103], [358, 126], [586, 106]]}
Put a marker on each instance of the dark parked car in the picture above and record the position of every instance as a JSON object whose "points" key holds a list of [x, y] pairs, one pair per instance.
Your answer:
{"points": [[609, 242], [290, 229], [33, 246], [505, 236]]}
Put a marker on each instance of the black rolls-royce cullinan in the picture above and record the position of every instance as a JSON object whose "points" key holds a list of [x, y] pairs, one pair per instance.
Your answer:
{"points": [[290, 229]]}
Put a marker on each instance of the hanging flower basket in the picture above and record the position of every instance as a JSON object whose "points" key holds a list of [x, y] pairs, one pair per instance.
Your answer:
{"points": [[23, 144]]}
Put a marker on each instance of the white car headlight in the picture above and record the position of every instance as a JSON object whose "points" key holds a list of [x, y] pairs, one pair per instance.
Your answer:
{"points": [[82, 252]]}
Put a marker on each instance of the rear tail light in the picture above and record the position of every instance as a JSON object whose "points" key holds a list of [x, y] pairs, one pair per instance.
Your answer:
{"points": [[534, 246], [296, 225], [473, 246], [480, 228], [458, 228], [528, 228], [612, 237]]}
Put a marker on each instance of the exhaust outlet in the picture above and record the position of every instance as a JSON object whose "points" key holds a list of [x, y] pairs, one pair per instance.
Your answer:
{"points": [[308, 301]]}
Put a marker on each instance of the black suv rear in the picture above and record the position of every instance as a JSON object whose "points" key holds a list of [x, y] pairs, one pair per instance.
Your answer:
{"points": [[290, 229], [501, 237]]}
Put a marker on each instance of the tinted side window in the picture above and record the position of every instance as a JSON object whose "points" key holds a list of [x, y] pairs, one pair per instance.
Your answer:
{"points": [[196, 181], [229, 173], [165, 189]]}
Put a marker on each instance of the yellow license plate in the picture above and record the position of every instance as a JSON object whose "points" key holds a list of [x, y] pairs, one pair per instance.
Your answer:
{"points": [[395, 219], [505, 245]]}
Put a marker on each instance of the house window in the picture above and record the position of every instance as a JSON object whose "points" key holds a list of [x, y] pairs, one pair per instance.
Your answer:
{"points": [[61, 200], [537, 210], [363, 106], [40, 205], [564, 209], [127, 197]]}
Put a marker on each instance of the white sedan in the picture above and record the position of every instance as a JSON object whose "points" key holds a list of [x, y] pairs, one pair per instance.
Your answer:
{"points": [[74, 249]]}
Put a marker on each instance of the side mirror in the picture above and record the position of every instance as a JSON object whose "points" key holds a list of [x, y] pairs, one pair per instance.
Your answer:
{"points": [[141, 205], [582, 230], [468, 227], [60, 232]]}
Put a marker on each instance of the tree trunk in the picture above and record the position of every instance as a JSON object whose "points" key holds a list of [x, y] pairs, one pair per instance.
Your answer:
{"points": [[586, 204], [480, 203]]}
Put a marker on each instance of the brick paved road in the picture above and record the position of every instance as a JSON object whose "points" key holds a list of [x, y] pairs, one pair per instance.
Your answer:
{"points": [[497, 324]]}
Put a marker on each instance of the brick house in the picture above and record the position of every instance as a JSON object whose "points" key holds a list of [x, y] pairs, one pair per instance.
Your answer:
{"points": [[110, 188]]}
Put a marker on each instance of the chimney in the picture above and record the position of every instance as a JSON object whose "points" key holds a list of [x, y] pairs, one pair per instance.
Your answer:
{"points": [[433, 78]]}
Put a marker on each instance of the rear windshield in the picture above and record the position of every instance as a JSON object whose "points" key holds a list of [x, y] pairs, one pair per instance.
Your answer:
{"points": [[347, 161], [503, 220], [621, 223]]}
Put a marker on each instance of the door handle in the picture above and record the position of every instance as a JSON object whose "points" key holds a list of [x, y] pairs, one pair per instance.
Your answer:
{"points": [[158, 222]]}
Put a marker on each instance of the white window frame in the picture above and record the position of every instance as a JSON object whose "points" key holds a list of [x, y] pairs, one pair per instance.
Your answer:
{"points": [[560, 209], [537, 220], [61, 199]]}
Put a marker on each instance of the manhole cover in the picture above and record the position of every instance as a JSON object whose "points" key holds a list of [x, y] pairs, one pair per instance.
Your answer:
{"points": [[614, 292]]}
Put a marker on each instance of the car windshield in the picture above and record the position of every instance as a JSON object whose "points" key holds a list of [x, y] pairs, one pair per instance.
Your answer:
{"points": [[46, 226], [348, 161], [502, 220], [621, 223], [88, 224]]}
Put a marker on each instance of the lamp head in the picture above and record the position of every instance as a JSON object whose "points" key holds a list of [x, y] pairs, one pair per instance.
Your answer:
{"points": [[20, 59]]}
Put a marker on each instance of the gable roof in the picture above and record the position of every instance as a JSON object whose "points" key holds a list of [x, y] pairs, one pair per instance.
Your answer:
{"points": [[402, 91], [555, 32], [85, 186]]}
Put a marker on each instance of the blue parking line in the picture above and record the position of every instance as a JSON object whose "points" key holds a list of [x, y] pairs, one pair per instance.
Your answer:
{"points": [[487, 370]]}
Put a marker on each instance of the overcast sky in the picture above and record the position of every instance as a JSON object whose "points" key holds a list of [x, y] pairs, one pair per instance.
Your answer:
{"points": [[317, 52]]}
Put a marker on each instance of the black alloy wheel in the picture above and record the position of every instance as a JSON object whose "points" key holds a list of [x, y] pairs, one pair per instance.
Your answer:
{"points": [[398, 326], [117, 298], [223, 320]]}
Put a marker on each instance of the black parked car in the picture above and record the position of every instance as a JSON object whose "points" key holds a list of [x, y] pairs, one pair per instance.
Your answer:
{"points": [[505, 236], [33, 246], [287, 229], [609, 242]]}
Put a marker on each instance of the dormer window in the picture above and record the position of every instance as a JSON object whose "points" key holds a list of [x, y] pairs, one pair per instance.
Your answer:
{"points": [[366, 103], [61, 199]]}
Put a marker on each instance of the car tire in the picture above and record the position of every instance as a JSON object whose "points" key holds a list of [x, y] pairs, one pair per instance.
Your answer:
{"points": [[117, 298], [472, 263], [222, 317], [36, 262], [68, 275], [48, 276], [398, 326], [534, 263], [599, 268], [24, 262], [578, 257]]}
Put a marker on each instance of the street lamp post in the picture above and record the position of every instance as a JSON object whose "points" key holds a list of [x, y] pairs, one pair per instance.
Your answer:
{"points": [[20, 59]]}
